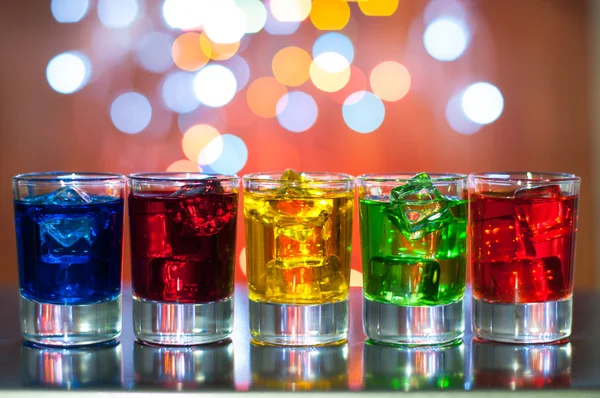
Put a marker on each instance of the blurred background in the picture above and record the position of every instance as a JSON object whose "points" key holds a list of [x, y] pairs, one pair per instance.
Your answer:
{"points": [[240, 86]]}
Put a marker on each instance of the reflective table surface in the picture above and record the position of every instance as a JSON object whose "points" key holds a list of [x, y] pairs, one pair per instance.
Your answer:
{"points": [[237, 365]]}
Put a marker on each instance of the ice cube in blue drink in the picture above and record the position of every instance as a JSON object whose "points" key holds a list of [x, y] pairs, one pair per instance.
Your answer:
{"points": [[66, 238]]}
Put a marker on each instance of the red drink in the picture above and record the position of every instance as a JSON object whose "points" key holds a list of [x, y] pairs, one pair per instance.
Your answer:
{"points": [[522, 245], [183, 244]]}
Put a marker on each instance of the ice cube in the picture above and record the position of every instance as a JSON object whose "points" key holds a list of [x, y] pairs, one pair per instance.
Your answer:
{"points": [[331, 278], [178, 277], [528, 280], [66, 239], [543, 192], [543, 220], [261, 209], [418, 208], [158, 243], [69, 195], [206, 187], [299, 278], [292, 175], [499, 239], [394, 242], [203, 215], [405, 280]]}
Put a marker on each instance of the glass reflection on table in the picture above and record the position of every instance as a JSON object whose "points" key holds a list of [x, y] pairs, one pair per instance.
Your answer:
{"points": [[515, 367], [181, 368], [409, 368], [71, 368], [299, 368]]}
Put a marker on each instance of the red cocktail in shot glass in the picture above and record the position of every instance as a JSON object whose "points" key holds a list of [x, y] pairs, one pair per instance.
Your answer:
{"points": [[522, 255], [183, 230]]}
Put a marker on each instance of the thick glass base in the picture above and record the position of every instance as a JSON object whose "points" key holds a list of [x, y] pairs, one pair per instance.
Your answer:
{"points": [[522, 323], [394, 324], [299, 325], [70, 325], [182, 324]]}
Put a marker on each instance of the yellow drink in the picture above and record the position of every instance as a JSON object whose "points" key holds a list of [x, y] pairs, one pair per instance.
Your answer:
{"points": [[298, 246], [298, 236]]}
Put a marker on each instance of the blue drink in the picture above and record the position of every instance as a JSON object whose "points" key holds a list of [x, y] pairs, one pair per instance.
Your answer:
{"points": [[69, 246], [69, 253]]}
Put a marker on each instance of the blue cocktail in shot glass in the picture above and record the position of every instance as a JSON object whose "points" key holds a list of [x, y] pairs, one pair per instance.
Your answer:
{"points": [[69, 231]]}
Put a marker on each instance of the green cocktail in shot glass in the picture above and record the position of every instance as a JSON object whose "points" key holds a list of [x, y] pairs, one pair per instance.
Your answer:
{"points": [[414, 242]]}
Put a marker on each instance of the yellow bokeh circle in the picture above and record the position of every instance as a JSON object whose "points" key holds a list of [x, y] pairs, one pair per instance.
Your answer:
{"points": [[329, 14], [390, 81], [291, 66]]}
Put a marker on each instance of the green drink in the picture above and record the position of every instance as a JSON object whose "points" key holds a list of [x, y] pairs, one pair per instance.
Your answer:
{"points": [[413, 232]]}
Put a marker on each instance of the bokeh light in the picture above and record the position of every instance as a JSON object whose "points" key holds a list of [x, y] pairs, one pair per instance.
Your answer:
{"points": [[184, 166], [334, 42], [482, 102], [178, 92], [275, 27], [215, 85], [131, 112], [291, 66], [69, 11], [290, 10], [184, 14], [115, 14], [390, 81], [378, 8], [297, 111], [456, 118], [363, 112], [255, 12], [358, 82], [446, 39], [233, 156], [196, 139], [224, 22], [240, 69], [329, 14], [187, 53], [217, 51], [153, 52], [330, 72], [263, 94], [68, 72]]}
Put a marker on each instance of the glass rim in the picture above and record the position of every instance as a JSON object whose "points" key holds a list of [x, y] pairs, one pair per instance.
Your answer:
{"points": [[178, 176], [263, 177], [509, 176], [65, 176], [406, 176]]}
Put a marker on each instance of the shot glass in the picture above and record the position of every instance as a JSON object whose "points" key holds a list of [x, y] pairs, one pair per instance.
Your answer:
{"points": [[69, 230], [298, 242], [413, 238], [517, 367], [183, 232], [413, 368], [522, 255]]}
